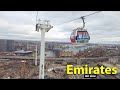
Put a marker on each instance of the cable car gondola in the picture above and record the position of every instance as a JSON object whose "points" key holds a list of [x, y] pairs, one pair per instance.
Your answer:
{"points": [[80, 35]]}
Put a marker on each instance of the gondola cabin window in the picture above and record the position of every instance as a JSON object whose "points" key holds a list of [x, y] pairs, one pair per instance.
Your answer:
{"points": [[82, 36]]}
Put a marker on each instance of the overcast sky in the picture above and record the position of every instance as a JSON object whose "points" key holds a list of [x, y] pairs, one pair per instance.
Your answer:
{"points": [[103, 27]]}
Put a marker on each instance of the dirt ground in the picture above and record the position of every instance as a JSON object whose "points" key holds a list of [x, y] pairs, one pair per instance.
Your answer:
{"points": [[15, 69]]}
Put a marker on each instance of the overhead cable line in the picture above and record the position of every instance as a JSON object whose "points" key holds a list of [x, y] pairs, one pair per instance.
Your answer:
{"points": [[82, 17]]}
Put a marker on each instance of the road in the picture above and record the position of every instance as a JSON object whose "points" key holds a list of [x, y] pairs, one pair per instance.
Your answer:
{"points": [[31, 58]]}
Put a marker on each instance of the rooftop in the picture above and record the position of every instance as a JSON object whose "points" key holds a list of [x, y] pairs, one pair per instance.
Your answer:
{"points": [[22, 51]]}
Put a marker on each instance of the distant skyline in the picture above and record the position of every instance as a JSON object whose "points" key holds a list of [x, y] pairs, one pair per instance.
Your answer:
{"points": [[102, 27]]}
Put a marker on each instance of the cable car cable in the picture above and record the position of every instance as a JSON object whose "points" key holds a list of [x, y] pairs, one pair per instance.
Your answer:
{"points": [[81, 17], [73, 19], [91, 14]]}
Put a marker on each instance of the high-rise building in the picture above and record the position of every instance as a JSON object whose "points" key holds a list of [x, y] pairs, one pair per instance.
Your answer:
{"points": [[3, 45], [10, 45]]}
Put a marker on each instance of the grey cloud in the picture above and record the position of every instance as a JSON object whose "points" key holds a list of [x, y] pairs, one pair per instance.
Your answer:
{"points": [[22, 24]]}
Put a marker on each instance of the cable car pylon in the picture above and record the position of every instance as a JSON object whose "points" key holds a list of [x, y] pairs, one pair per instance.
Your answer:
{"points": [[43, 27]]}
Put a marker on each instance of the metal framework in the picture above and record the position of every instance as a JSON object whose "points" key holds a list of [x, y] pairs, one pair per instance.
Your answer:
{"points": [[44, 27]]}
